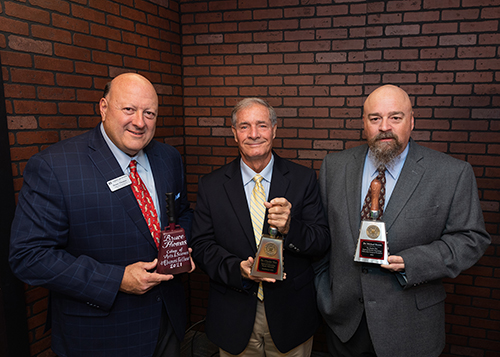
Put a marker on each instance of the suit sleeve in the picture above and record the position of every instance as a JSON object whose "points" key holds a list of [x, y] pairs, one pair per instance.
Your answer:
{"points": [[462, 241], [40, 233], [219, 264]]}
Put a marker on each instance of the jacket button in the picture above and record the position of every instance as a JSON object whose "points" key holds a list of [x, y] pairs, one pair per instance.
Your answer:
{"points": [[365, 271], [361, 300]]}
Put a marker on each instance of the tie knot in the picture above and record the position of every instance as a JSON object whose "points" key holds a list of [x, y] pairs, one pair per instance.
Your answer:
{"points": [[133, 166], [257, 178], [381, 169]]}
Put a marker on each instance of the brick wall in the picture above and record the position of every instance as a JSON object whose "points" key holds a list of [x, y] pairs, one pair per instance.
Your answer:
{"points": [[314, 61], [57, 55]]}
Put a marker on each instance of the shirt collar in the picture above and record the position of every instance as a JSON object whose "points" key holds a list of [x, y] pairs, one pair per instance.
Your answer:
{"points": [[122, 158], [247, 173]]}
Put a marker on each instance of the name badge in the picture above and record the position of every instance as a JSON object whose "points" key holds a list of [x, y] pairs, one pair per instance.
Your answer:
{"points": [[119, 182]]}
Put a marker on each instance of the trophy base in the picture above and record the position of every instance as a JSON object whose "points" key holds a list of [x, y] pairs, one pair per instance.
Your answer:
{"points": [[372, 243], [269, 259]]}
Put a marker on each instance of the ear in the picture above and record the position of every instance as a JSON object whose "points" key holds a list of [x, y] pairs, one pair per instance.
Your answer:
{"points": [[103, 107], [275, 128], [234, 133], [412, 121]]}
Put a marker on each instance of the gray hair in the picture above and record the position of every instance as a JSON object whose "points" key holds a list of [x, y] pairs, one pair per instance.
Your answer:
{"points": [[248, 102]]}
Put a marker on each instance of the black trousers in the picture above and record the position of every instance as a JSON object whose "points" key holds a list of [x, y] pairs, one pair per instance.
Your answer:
{"points": [[168, 344], [360, 344]]}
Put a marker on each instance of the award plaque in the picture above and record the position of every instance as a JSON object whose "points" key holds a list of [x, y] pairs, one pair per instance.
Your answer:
{"points": [[173, 254], [372, 242], [268, 262]]}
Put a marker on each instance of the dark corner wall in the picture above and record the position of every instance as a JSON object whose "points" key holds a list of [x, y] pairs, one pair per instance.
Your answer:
{"points": [[313, 60]]}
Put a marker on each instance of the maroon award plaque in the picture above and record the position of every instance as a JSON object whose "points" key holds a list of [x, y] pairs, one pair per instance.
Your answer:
{"points": [[173, 254]]}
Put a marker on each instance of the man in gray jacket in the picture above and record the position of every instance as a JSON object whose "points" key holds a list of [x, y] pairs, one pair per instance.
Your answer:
{"points": [[435, 229]]}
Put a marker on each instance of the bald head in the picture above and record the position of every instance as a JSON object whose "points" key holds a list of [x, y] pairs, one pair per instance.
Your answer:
{"points": [[129, 110], [383, 94], [130, 78], [388, 121]]}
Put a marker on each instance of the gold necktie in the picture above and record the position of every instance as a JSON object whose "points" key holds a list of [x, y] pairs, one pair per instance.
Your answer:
{"points": [[258, 212]]}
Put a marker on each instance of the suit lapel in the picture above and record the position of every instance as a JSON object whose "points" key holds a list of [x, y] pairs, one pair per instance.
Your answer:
{"points": [[238, 201], [354, 177], [410, 176], [105, 162], [279, 184], [164, 180], [236, 194]]}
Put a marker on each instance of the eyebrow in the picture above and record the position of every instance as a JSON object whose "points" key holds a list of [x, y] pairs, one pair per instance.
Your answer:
{"points": [[248, 123]]}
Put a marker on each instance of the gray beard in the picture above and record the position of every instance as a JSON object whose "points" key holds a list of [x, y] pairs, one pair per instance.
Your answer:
{"points": [[384, 153]]}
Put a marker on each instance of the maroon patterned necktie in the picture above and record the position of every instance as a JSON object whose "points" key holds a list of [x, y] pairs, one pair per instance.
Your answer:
{"points": [[365, 212], [145, 202]]}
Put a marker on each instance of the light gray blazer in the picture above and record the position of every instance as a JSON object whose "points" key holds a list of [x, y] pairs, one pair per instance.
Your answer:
{"points": [[433, 220]]}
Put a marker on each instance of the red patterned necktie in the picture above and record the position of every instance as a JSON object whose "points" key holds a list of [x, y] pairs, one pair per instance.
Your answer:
{"points": [[145, 202], [365, 212]]}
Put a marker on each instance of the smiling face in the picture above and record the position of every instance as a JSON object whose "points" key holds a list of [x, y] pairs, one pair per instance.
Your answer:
{"points": [[388, 121], [254, 134], [129, 112]]}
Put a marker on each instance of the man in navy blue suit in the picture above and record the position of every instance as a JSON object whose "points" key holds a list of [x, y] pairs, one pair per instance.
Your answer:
{"points": [[79, 232]]}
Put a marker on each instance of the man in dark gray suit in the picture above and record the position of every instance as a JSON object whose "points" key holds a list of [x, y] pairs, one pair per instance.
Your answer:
{"points": [[435, 229]]}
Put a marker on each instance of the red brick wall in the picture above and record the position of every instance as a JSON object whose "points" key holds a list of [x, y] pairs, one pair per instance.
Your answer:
{"points": [[314, 61], [57, 55]]}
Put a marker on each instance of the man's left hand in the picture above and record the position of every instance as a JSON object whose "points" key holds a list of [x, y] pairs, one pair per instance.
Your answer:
{"points": [[279, 214], [396, 263]]}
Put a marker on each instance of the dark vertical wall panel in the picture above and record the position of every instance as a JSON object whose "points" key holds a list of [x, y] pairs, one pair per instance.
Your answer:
{"points": [[13, 325]]}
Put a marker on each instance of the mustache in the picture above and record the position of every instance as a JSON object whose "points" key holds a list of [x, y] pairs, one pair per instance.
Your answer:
{"points": [[387, 135]]}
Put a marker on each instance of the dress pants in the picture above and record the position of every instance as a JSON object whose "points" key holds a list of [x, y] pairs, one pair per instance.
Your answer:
{"points": [[168, 344], [360, 344], [261, 343]]}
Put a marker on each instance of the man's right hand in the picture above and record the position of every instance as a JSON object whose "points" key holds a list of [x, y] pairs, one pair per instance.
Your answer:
{"points": [[138, 280]]}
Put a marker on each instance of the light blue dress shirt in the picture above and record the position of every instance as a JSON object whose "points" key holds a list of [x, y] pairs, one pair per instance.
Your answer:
{"points": [[143, 168]]}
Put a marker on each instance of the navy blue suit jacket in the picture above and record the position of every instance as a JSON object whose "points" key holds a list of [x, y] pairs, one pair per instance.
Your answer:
{"points": [[73, 236], [223, 237]]}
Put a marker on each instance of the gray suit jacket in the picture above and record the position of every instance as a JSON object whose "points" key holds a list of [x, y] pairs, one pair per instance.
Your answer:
{"points": [[433, 220]]}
